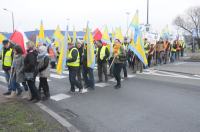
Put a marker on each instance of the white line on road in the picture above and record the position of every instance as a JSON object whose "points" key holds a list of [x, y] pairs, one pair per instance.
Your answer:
{"points": [[179, 63], [180, 76], [60, 119], [197, 75], [102, 84], [59, 97], [57, 76]]}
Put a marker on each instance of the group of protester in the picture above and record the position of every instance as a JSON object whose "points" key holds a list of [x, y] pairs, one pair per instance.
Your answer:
{"points": [[21, 69]]}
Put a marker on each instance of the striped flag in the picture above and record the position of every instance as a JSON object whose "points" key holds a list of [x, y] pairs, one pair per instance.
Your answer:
{"points": [[63, 52]]}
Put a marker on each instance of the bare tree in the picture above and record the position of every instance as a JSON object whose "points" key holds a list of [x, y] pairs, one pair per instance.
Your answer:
{"points": [[189, 22]]}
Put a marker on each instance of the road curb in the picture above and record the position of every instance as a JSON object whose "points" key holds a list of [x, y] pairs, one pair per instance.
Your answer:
{"points": [[58, 118]]}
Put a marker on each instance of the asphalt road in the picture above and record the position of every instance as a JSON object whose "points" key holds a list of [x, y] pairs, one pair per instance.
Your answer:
{"points": [[154, 101]]}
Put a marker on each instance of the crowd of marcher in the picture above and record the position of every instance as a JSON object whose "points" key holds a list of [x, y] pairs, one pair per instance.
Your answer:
{"points": [[21, 69]]}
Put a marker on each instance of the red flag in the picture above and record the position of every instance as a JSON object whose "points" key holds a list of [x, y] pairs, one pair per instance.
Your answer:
{"points": [[97, 34], [18, 39]]}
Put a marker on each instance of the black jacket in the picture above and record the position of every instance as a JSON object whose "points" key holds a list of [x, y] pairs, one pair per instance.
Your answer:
{"points": [[30, 61], [74, 55]]}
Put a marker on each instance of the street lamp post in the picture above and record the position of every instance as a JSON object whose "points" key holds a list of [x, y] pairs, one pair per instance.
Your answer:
{"points": [[147, 24], [13, 22]]}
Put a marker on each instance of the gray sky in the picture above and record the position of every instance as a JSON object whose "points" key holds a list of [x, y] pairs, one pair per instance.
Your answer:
{"points": [[29, 13]]}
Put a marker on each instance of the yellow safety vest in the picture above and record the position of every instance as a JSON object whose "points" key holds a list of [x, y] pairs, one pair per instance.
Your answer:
{"points": [[7, 58], [173, 49], [146, 48], [102, 52], [75, 63]]}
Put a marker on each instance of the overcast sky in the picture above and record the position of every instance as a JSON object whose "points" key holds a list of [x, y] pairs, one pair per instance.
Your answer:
{"points": [[29, 13]]}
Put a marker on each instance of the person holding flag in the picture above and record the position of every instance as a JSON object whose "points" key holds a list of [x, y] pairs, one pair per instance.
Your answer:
{"points": [[119, 59], [73, 63]]}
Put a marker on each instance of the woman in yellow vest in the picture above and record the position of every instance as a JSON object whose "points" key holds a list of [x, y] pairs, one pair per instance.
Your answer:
{"points": [[73, 63]]}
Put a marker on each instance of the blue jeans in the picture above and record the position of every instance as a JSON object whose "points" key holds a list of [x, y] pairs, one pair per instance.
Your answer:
{"points": [[89, 81], [173, 57], [7, 76], [14, 85]]}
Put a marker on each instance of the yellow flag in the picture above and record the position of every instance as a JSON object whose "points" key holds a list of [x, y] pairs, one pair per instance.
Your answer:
{"points": [[2, 37], [105, 36], [41, 36], [58, 36], [74, 36], [119, 35]]}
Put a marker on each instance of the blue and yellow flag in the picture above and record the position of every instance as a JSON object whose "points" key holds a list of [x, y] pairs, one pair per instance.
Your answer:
{"points": [[63, 52], [41, 35], [106, 39], [2, 37], [74, 36], [90, 48], [137, 45], [165, 34], [58, 37]]}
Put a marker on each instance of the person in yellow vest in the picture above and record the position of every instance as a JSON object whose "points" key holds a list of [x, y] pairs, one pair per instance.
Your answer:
{"points": [[182, 45], [125, 45], [173, 52], [146, 47], [102, 58], [119, 59], [73, 63], [7, 58], [178, 48], [166, 51]]}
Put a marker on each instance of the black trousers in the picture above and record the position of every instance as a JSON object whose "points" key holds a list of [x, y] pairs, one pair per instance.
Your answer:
{"points": [[72, 78], [79, 74], [102, 68], [33, 89], [44, 85], [124, 69], [117, 72]]}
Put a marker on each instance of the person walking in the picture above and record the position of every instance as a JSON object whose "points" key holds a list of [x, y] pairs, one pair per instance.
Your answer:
{"points": [[73, 63], [87, 72], [7, 58], [43, 71], [30, 70], [18, 74], [102, 58], [119, 58]]}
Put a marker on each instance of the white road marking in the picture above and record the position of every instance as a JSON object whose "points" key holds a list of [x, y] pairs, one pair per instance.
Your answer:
{"points": [[60, 119], [101, 84], [131, 76], [59, 97], [174, 76], [113, 80], [64, 72], [179, 63], [197, 75], [3, 79], [57, 76]]}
